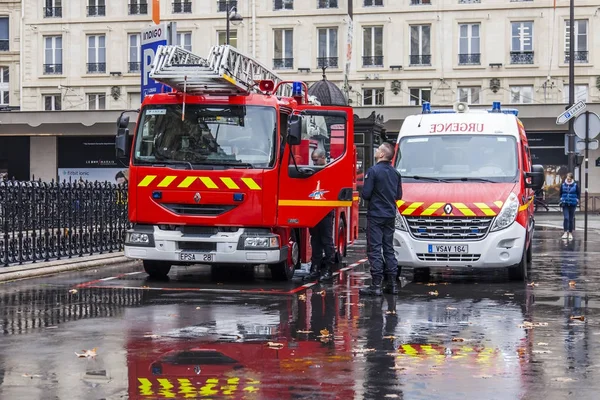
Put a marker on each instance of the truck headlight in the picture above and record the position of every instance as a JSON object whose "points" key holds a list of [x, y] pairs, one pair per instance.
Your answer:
{"points": [[261, 242], [139, 239], [400, 224], [507, 214]]}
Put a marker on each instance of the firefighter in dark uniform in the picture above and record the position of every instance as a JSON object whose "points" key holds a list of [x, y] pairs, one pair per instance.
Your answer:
{"points": [[382, 188], [321, 238]]}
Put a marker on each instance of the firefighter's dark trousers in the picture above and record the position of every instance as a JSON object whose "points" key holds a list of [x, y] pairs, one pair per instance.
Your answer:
{"points": [[380, 248], [321, 241]]}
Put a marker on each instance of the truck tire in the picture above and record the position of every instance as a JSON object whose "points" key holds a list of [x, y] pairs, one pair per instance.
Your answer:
{"points": [[157, 269], [530, 253], [284, 271], [341, 244], [519, 272]]}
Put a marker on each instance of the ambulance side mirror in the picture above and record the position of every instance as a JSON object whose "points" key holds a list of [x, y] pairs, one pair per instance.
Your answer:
{"points": [[122, 138], [294, 130], [535, 179]]}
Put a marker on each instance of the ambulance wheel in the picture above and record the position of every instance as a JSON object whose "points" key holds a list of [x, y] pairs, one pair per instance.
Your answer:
{"points": [[284, 271], [341, 247], [157, 269], [519, 272], [530, 253]]}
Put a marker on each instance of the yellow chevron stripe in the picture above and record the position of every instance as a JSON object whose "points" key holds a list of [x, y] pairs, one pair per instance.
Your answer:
{"points": [[145, 387], [486, 210], [165, 383], [167, 181], [187, 181], [147, 180], [524, 206], [315, 203], [209, 183], [428, 349], [229, 183], [432, 208], [464, 209], [400, 203], [251, 183], [498, 204], [412, 208], [408, 349]]}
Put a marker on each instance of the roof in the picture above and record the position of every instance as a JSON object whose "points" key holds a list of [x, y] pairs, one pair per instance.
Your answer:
{"points": [[327, 93]]}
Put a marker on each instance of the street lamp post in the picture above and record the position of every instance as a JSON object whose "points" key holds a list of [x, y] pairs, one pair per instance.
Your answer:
{"points": [[233, 17], [571, 134]]}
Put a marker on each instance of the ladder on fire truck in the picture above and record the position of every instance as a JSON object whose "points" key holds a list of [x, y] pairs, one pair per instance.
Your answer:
{"points": [[226, 72]]}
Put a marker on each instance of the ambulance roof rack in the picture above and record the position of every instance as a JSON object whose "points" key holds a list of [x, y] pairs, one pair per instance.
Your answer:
{"points": [[426, 109], [226, 72]]}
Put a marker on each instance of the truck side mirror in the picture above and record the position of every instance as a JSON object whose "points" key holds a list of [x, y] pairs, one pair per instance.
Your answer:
{"points": [[122, 138], [536, 177], [294, 130]]}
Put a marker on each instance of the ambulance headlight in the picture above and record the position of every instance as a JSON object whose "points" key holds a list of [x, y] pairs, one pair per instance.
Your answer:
{"points": [[139, 239], [400, 224], [507, 214]]}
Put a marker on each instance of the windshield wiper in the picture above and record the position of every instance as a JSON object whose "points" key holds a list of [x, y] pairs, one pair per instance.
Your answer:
{"points": [[466, 179], [171, 162], [424, 178], [238, 164]]}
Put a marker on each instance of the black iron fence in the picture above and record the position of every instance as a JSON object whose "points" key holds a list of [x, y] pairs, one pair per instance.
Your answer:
{"points": [[43, 221]]}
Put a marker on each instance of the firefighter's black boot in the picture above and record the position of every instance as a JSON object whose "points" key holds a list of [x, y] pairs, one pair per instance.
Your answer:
{"points": [[392, 285], [373, 290], [314, 273], [326, 274]]}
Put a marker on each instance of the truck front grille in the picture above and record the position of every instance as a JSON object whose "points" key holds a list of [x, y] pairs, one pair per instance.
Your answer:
{"points": [[198, 209], [198, 246], [448, 257], [445, 228]]}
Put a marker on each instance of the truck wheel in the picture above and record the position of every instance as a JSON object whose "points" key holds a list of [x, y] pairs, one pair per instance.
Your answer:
{"points": [[157, 269], [284, 271], [530, 253], [341, 246], [519, 272]]}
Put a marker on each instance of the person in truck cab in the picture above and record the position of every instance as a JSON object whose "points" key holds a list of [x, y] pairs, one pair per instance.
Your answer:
{"points": [[321, 237], [382, 189]]}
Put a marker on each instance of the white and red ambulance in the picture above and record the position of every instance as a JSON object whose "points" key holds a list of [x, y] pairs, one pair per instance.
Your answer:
{"points": [[468, 190]]}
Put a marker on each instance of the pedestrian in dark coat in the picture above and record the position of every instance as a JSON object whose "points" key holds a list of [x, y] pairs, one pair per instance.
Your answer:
{"points": [[570, 194]]}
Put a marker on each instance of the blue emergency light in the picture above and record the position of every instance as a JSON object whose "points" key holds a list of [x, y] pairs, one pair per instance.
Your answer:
{"points": [[426, 108], [238, 197], [296, 89], [497, 109], [157, 195]]}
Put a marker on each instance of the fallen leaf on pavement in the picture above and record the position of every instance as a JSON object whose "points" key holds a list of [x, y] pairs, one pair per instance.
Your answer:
{"points": [[360, 305], [562, 379], [392, 396], [579, 317], [73, 291], [31, 376], [532, 284], [458, 339], [571, 284], [197, 308], [398, 368], [431, 284], [322, 293], [392, 312], [390, 337], [302, 297], [509, 294], [304, 331], [275, 345], [362, 350], [324, 332], [87, 353], [435, 293], [542, 344]]}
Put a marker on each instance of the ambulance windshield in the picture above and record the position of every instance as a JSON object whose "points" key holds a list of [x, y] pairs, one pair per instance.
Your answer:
{"points": [[458, 157], [226, 135]]}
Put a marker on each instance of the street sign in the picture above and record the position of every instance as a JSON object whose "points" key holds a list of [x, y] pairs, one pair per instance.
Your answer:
{"points": [[580, 145], [151, 38], [593, 127], [570, 113]]}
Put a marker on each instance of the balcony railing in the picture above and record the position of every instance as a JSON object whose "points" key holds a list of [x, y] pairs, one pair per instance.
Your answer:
{"points": [[469, 59], [283, 63], [96, 11], [579, 57], [521, 57], [51, 69], [327, 62], [138, 9], [420, 59], [181, 8], [327, 4], [372, 61], [134, 66], [222, 5], [372, 3], [96, 68], [283, 4], [50, 12], [4, 45]]}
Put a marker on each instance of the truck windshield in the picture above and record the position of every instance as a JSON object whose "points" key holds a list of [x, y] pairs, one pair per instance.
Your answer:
{"points": [[458, 158], [226, 135]]}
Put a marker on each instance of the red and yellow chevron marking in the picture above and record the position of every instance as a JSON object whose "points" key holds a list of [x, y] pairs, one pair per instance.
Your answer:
{"points": [[425, 350], [200, 182], [174, 387], [436, 209]]}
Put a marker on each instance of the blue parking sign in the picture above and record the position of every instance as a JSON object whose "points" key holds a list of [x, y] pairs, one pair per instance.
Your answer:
{"points": [[151, 38]]}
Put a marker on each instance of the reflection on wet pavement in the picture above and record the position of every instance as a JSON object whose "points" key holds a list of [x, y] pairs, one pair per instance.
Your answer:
{"points": [[454, 336]]}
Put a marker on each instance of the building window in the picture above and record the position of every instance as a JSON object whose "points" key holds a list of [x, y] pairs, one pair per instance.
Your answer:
{"points": [[53, 55], [581, 46], [4, 35], [469, 95], [373, 46], [52, 102], [222, 5], [138, 7], [328, 48], [4, 86], [372, 3], [373, 97], [96, 101], [134, 53], [222, 38], [469, 52], [53, 9], [183, 6], [96, 54], [581, 93], [522, 43], [327, 3], [521, 94], [283, 49], [184, 39], [283, 4], [419, 95], [96, 8], [420, 45], [419, 2]]}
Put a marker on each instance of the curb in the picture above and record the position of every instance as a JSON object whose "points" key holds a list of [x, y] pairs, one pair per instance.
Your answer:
{"points": [[32, 270]]}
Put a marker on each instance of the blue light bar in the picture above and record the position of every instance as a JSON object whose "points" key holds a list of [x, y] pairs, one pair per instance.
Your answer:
{"points": [[426, 108], [496, 107], [443, 112], [297, 89]]}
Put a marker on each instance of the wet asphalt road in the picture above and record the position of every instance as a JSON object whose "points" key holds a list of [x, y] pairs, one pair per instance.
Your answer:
{"points": [[207, 336]]}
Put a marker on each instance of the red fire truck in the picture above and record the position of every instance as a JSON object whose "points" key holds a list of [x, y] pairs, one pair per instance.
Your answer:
{"points": [[220, 169]]}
